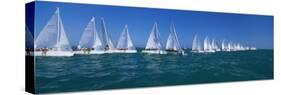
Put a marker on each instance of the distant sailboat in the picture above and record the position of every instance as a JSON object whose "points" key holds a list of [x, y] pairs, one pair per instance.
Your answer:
{"points": [[196, 45], [207, 45], [215, 46], [108, 45], [125, 44], [234, 46], [173, 44], [52, 40], [153, 44], [90, 42], [253, 48], [229, 46], [223, 46]]}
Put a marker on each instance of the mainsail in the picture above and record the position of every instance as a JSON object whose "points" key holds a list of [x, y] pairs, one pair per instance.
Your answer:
{"points": [[229, 46], [207, 45], [90, 37], [106, 39], [223, 47], [173, 42], [196, 43], [125, 41], [213, 45], [53, 35], [154, 41]]}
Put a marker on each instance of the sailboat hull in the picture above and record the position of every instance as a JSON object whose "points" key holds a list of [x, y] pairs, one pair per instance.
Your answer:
{"points": [[125, 51], [197, 51], [154, 51], [54, 53], [91, 52], [175, 52], [209, 51]]}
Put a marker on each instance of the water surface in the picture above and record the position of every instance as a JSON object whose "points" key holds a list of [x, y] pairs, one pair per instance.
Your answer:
{"points": [[111, 71]]}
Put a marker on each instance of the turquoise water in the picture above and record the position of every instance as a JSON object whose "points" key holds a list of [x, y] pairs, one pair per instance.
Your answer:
{"points": [[111, 71]]}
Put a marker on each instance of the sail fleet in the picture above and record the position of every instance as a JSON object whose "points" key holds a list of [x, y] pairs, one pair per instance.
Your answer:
{"points": [[211, 46], [53, 41]]}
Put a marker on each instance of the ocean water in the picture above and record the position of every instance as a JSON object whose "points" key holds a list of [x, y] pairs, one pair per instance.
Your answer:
{"points": [[111, 71]]}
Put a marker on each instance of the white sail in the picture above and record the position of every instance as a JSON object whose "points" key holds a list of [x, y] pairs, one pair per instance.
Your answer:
{"points": [[229, 46], [48, 36], [29, 39], [213, 46], [97, 42], [106, 38], [90, 37], [87, 38], [125, 41], [154, 41], [223, 47], [207, 45], [173, 42], [196, 46], [63, 43], [53, 35], [235, 46]]}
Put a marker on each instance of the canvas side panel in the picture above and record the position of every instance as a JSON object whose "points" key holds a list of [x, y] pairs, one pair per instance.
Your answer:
{"points": [[29, 47]]}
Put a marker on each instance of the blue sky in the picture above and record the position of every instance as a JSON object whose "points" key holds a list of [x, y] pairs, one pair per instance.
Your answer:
{"points": [[252, 30]]}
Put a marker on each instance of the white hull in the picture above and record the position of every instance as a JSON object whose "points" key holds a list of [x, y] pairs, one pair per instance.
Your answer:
{"points": [[253, 48], [91, 52], [124, 51], [176, 52], [110, 51], [209, 51], [197, 51], [228, 50], [218, 50], [54, 53], [154, 51]]}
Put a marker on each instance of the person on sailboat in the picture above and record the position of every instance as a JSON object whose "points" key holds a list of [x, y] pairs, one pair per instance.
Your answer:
{"points": [[44, 51], [106, 47]]}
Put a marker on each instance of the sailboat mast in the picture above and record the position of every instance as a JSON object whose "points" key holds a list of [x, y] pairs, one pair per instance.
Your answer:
{"points": [[94, 30], [127, 36]]}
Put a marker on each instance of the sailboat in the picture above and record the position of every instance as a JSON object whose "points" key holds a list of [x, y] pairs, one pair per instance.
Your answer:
{"points": [[52, 40], [234, 46], [153, 45], [196, 46], [173, 44], [229, 47], [90, 42], [223, 46], [29, 42], [207, 45], [252, 48], [107, 43], [125, 44], [214, 46]]}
